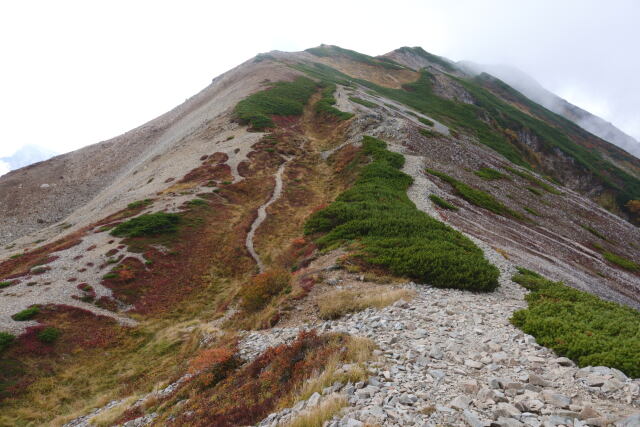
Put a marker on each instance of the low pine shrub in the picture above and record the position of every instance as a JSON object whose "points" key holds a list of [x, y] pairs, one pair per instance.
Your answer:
{"points": [[48, 335], [264, 287], [147, 225], [477, 197], [139, 204], [283, 99], [426, 121], [593, 231], [6, 339], [364, 102], [578, 325], [490, 174], [621, 261], [5, 284], [442, 203], [26, 314], [394, 234]]}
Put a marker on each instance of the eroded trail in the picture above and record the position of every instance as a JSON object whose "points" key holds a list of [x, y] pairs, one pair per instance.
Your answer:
{"points": [[262, 215]]}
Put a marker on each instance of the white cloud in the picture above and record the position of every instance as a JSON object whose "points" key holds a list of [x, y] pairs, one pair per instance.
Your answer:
{"points": [[4, 168], [77, 72]]}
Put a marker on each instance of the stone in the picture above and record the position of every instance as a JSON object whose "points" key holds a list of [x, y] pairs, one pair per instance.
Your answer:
{"points": [[556, 399], [611, 385], [473, 364], [313, 400], [507, 410], [538, 380], [595, 381], [506, 422], [563, 361], [588, 412], [470, 387], [461, 403], [352, 422], [472, 419], [630, 421]]}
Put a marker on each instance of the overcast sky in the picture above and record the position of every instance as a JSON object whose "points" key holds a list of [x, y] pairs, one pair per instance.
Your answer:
{"points": [[75, 73]]}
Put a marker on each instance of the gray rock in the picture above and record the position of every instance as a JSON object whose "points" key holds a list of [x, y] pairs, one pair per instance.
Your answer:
{"points": [[630, 421], [461, 403], [563, 361], [473, 364], [506, 422], [472, 419], [506, 410], [556, 399], [313, 400], [538, 380]]}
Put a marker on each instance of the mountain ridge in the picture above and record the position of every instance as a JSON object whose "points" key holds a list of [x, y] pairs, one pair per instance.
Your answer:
{"points": [[328, 238]]}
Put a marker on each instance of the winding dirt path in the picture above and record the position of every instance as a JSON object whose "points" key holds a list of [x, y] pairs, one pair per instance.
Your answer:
{"points": [[262, 215]]}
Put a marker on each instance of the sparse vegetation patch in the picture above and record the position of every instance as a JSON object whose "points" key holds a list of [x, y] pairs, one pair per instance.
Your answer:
{"points": [[393, 233], [326, 104], [26, 314], [578, 325], [476, 197]]}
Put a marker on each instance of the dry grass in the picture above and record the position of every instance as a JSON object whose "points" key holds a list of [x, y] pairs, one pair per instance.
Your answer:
{"points": [[110, 416], [340, 302], [359, 351], [321, 413]]}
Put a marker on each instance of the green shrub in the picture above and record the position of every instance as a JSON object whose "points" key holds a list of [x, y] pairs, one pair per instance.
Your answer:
{"points": [[264, 287], [139, 204], [442, 202], [621, 261], [531, 211], [579, 325], [6, 339], [26, 314], [393, 233], [425, 121], [326, 104], [48, 335], [148, 224], [476, 197], [5, 284], [197, 202], [364, 102], [283, 98], [593, 231], [535, 181], [490, 174], [535, 191]]}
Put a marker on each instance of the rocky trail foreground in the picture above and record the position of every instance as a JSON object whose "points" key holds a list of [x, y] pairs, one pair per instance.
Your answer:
{"points": [[452, 358]]}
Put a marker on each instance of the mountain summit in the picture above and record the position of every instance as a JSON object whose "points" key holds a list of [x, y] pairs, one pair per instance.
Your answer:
{"points": [[327, 238]]}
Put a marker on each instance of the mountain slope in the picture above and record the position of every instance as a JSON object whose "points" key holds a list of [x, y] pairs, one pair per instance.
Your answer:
{"points": [[534, 91], [245, 254]]}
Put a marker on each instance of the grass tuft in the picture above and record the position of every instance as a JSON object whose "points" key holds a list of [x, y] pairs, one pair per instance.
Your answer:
{"points": [[6, 339], [48, 335], [394, 234], [490, 174], [337, 303], [364, 102], [26, 314], [442, 203], [578, 325]]}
